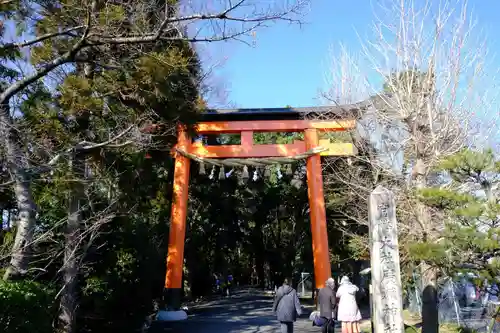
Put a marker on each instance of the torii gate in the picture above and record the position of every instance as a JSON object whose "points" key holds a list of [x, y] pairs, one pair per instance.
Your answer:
{"points": [[246, 122]]}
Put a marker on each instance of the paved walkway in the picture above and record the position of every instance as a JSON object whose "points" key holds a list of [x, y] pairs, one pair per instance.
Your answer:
{"points": [[245, 312]]}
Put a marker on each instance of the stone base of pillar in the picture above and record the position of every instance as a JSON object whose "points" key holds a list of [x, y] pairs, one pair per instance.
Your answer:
{"points": [[165, 315]]}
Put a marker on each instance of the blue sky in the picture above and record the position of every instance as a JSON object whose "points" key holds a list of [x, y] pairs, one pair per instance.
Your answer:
{"points": [[288, 63]]}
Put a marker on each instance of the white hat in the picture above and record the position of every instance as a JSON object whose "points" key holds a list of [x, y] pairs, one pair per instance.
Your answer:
{"points": [[330, 282], [345, 279]]}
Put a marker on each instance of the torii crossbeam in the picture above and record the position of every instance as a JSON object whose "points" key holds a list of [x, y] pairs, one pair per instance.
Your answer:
{"points": [[246, 122]]}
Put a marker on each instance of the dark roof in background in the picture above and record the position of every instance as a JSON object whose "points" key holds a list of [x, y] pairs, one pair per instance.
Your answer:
{"points": [[315, 112]]}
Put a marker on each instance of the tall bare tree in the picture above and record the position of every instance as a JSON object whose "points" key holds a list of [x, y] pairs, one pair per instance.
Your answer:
{"points": [[426, 72]]}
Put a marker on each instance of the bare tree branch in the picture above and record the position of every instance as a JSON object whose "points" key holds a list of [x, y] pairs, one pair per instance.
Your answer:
{"points": [[7, 183], [85, 145], [42, 38], [93, 38], [427, 78]]}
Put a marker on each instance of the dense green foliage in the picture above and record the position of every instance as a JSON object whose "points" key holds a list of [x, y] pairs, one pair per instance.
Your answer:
{"points": [[26, 307], [124, 191]]}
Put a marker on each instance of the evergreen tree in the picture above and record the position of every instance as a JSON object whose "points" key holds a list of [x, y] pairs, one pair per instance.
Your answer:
{"points": [[73, 33], [91, 105], [470, 208]]}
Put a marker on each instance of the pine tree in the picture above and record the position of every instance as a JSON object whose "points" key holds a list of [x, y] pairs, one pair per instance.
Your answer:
{"points": [[73, 33], [95, 103], [471, 208], [470, 237]]}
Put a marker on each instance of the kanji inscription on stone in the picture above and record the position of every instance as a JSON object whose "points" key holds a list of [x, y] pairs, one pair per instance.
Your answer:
{"points": [[385, 269]]}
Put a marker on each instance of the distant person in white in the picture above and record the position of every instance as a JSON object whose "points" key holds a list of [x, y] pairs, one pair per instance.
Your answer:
{"points": [[348, 311]]}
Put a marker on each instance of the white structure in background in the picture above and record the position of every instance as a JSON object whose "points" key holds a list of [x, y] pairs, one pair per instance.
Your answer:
{"points": [[386, 136], [305, 285]]}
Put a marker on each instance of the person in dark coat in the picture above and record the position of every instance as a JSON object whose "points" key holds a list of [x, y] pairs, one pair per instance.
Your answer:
{"points": [[287, 307], [327, 302]]}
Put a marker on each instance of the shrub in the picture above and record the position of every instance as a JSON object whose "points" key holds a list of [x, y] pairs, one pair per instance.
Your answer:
{"points": [[26, 307]]}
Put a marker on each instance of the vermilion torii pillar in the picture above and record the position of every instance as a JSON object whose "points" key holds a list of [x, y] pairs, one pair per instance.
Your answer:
{"points": [[247, 122], [177, 232], [321, 252]]}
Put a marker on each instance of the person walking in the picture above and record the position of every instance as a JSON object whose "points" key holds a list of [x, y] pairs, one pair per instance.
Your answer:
{"points": [[286, 306], [348, 311], [326, 301], [217, 283], [229, 284]]}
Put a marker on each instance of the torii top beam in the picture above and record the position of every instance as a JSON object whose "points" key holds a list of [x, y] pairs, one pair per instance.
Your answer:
{"points": [[248, 121], [289, 113]]}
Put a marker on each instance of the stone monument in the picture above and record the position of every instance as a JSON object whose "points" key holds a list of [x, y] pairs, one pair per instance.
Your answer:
{"points": [[387, 312]]}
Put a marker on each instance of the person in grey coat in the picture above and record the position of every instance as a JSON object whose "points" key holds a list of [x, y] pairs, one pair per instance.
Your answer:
{"points": [[287, 307], [326, 302]]}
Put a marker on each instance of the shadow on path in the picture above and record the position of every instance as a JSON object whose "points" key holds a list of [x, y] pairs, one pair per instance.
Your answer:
{"points": [[245, 312]]}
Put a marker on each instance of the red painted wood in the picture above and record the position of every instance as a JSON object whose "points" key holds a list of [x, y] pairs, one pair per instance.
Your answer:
{"points": [[177, 234], [321, 253], [273, 126]]}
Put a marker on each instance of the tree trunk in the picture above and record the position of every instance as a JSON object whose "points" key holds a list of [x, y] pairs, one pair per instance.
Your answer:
{"points": [[24, 198], [488, 190], [68, 302], [259, 252], [430, 319], [70, 270]]}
